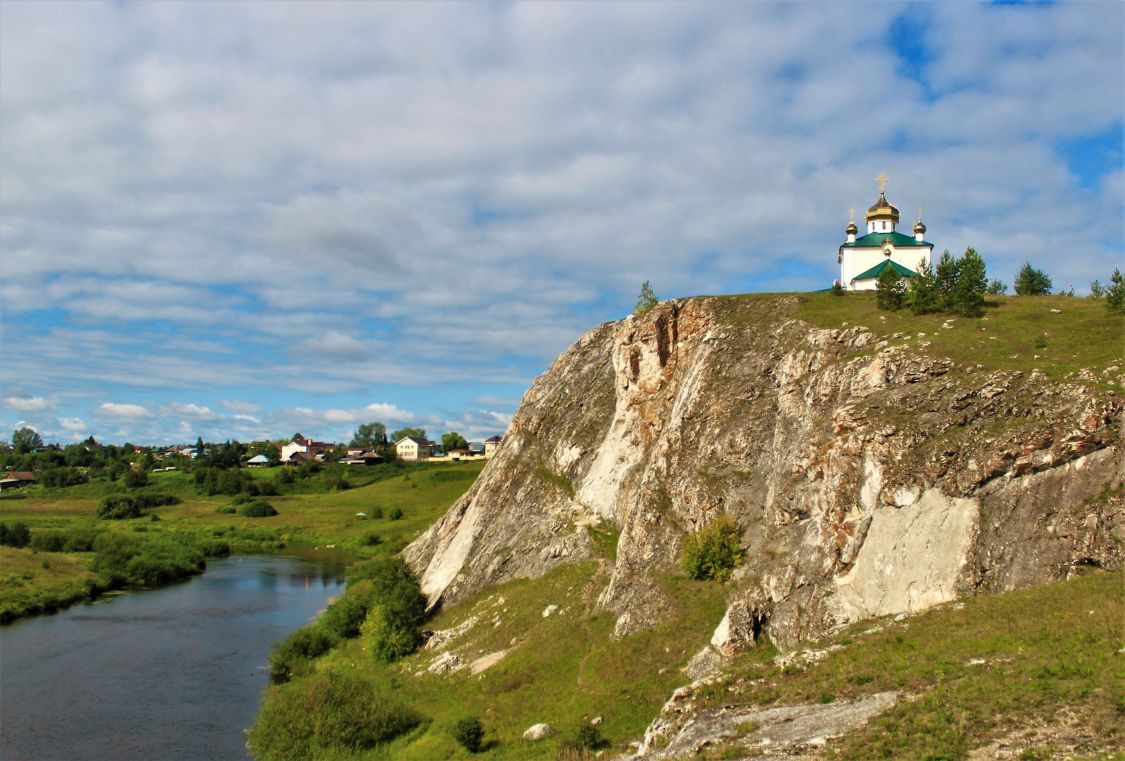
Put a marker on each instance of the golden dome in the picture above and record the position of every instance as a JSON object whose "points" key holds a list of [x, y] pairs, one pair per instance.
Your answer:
{"points": [[919, 228], [851, 229], [882, 210]]}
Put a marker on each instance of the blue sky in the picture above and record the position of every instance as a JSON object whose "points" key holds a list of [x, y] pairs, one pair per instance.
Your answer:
{"points": [[245, 220]]}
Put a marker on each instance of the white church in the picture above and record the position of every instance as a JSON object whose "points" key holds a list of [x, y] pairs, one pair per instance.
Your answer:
{"points": [[862, 260]]}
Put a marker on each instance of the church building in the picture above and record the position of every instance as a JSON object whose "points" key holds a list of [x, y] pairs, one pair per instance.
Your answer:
{"points": [[863, 259]]}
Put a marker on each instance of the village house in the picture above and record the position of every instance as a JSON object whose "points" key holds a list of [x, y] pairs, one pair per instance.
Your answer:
{"points": [[314, 450], [491, 445], [414, 448], [358, 456], [17, 478]]}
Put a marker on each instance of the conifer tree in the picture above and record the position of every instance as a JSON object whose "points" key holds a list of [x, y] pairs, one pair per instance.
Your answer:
{"points": [[889, 290], [1032, 282], [946, 277], [923, 290], [1115, 293], [968, 291]]}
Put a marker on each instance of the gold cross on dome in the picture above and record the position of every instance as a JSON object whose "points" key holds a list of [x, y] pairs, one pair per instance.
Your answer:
{"points": [[852, 216], [882, 180]]}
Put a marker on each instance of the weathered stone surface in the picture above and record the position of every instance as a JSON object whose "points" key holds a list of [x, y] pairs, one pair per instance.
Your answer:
{"points": [[771, 733], [446, 663], [867, 478], [538, 732]]}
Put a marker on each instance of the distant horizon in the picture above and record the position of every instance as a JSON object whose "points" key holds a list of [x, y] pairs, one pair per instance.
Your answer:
{"points": [[242, 220]]}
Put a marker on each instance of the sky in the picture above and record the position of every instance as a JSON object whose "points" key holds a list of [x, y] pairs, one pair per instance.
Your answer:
{"points": [[245, 220]]}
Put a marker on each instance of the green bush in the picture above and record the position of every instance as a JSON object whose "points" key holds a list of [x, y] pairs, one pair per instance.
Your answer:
{"points": [[371, 539], [469, 733], [226, 509], [61, 477], [59, 540], [327, 715], [119, 507], [14, 534], [376, 512], [241, 499], [134, 478], [344, 617], [713, 552], [589, 737], [122, 559], [395, 514], [258, 509], [890, 291], [1115, 293], [1032, 282], [393, 626], [292, 655]]}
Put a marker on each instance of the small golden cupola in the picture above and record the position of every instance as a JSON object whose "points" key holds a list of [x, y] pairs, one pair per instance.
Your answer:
{"points": [[882, 217], [851, 229], [919, 228]]}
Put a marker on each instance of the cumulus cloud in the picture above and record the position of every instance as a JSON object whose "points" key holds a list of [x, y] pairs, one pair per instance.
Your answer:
{"points": [[126, 411], [72, 424], [29, 403], [318, 203]]}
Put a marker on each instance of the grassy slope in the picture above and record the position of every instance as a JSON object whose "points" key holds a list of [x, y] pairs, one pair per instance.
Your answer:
{"points": [[314, 517], [1082, 335], [972, 671], [563, 670]]}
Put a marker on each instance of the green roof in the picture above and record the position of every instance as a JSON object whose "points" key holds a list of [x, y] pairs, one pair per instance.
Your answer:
{"points": [[874, 240], [877, 270]]}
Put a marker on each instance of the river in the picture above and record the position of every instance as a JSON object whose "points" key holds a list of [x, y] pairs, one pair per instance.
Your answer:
{"points": [[161, 675]]}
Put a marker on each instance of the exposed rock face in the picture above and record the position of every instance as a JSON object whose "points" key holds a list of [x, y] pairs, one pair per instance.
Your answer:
{"points": [[867, 478]]}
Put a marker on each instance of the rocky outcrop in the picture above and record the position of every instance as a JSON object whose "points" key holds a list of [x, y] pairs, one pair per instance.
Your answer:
{"points": [[867, 476]]}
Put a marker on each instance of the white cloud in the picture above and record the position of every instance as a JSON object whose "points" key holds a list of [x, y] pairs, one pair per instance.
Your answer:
{"points": [[190, 410], [29, 403], [241, 406], [72, 424], [127, 411]]}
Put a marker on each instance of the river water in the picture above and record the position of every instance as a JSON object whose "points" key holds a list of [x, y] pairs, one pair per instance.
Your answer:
{"points": [[161, 675]]}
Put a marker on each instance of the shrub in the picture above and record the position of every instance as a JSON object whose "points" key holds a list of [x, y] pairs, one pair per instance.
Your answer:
{"points": [[713, 552], [469, 733], [837, 289], [590, 737], [292, 655], [395, 514], [327, 715], [123, 559], [135, 478], [258, 509], [371, 539], [119, 507], [996, 288], [14, 534], [344, 617], [226, 509], [60, 477], [1032, 282], [241, 499], [393, 626], [376, 512], [945, 276], [646, 301]]}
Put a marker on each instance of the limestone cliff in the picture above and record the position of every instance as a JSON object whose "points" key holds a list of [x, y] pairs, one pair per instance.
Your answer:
{"points": [[868, 477]]}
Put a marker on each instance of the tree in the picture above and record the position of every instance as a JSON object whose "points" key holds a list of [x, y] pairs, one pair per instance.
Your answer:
{"points": [[996, 288], [402, 433], [1032, 282], [646, 301], [26, 440], [453, 440], [469, 732], [1097, 290], [889, 290], [714, 551], [923, 290], [968, 292], [1115, 293], [370, 436], [946, 276]]}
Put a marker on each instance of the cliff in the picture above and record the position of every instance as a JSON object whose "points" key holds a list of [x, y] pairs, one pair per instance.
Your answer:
{"points": [[869, 474]]}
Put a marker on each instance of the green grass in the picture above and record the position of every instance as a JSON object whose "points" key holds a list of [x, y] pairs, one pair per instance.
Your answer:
{"points": [[311, 516], [563, 670], [1012, 331], [36, 582], [975, 670]]}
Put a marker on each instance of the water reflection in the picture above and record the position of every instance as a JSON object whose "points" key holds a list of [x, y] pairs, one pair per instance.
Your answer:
{"points": [[173, 673]]}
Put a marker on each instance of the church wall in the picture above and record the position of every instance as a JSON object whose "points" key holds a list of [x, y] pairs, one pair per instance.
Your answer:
{"points": [[857, 260]]}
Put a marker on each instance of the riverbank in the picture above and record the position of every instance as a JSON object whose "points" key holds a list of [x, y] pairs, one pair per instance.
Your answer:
{"points": [[311, 512]]}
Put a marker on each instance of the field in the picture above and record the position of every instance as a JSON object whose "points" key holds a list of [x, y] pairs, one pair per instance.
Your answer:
{"points": [[1057, 335], [310, 512]]}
